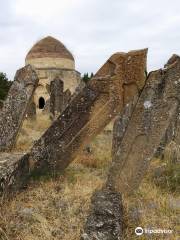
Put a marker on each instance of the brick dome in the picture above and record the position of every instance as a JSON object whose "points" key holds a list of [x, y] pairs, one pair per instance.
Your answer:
{"points": [[49, 47]]}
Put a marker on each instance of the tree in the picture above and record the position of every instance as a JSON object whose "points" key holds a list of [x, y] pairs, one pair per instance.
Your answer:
{"points": [[92, 75], [4, 86], [86, 77]]}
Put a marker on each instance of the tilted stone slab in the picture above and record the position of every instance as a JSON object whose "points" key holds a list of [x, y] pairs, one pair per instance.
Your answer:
{"points": [[171, 146], [121, 124], [155, 111], [177, 131], [146, 127], [115, 84], [173, 130], [14, 172], [15, 106], [66, 98]]}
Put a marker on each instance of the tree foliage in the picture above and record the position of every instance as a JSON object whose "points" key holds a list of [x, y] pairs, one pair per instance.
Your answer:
{"points": [[86, 77], [4, 86]]}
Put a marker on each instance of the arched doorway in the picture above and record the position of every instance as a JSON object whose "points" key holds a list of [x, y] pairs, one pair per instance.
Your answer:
{"points": [[41, 103]]}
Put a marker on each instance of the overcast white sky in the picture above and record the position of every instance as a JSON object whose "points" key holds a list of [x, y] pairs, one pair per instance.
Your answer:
{"points": [[91, 29]]}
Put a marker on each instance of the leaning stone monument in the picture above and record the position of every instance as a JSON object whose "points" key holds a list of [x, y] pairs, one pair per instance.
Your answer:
{"points": [[119, 80], [15, 106], [137, 135], [115, 84], [148, 108], [156, 109]]}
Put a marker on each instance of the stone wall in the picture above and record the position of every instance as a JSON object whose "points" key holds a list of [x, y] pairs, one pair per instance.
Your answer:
{"points": [[70, 77], [48, 62]]}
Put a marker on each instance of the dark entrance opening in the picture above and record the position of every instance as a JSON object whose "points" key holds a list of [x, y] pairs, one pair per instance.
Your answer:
{"points": [[41, 103]]}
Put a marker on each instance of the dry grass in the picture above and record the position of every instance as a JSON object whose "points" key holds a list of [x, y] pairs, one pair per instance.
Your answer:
{"points": [[52, 209], [150, 207], [99, 155], [31, 131], [172, 153]]}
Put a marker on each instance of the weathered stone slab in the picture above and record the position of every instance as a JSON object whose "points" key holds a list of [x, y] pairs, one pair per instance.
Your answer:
{"points": [[173, 130], [121, 124], [15, 106], [155, 111], [105, 221], [66, 98], [31, 112], [136, 135], [14, 172], [171, 146], [115, 84], [56, 97], [177, 131]]}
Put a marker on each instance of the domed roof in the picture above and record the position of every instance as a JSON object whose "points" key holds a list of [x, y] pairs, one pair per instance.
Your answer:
{"points": [[49, 47]]}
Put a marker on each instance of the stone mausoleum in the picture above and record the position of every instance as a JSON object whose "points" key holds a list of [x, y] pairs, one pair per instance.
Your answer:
{"points": [[52, 60]]}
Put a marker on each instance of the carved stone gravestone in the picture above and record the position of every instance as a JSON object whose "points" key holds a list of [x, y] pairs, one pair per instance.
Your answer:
{"points": [[156, 111], [117, 83], [16, 105], [138, 133], [56, 97]]}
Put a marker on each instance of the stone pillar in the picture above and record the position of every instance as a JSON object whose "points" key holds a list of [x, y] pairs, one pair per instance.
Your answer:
{"points": [[56, 97]]}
